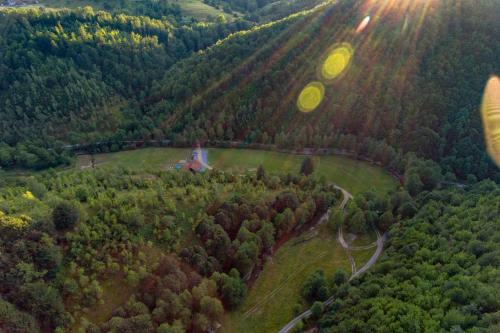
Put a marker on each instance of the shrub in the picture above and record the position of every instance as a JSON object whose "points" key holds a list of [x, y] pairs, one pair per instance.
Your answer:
{"points": [[65, 215]]}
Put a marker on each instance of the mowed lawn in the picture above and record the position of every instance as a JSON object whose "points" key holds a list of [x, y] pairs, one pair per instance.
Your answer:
{"points": [[271, 300], [146, 159], [354, 176]]}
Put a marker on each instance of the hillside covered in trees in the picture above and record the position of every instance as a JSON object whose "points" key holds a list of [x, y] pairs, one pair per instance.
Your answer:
{"points": [[414, 83], [119, 250], [79, 75], [74, 76], [111, 250], [439, 272]]}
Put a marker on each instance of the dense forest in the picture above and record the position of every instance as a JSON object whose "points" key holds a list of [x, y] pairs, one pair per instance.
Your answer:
{"points": [[118, 250], [72, 76], [182, 246], [112, 80], [153, 8], [439, 272], [414, 85]]}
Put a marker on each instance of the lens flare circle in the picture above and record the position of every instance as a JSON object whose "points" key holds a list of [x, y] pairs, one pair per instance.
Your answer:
{"points": [[336, 62], [311, 96], [490, 112], [362, 26]]}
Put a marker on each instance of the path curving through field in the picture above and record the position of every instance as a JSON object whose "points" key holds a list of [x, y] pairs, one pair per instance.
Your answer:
{"points": [[355, 272]]}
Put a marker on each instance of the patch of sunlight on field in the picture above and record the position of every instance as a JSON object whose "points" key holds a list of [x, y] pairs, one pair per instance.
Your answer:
{"points": [[200, 10], [195, 8], [271, 300]]}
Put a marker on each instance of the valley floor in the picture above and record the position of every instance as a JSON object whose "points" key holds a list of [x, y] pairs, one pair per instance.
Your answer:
{"points": [[355, 176]]}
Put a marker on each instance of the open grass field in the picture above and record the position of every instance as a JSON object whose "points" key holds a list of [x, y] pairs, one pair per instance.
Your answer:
{"points": [[200, 10], [194, 8], [271, 301], [354, 176]]}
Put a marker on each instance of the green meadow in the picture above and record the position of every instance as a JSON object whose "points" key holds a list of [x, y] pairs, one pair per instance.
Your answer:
{"points": [[194, 8], [200, 10], [354, 176]]}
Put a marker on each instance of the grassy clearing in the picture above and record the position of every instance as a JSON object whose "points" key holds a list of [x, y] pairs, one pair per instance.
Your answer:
{"points": [[200, 10], [271, 301], [116, 292], [141, 159], [355, 176], [194, 8]]}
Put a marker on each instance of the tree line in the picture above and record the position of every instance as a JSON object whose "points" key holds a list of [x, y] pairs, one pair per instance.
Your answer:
{"points": [[73, 76]]}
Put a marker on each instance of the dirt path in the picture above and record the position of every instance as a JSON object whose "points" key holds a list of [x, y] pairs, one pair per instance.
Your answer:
{"points": [[355, 272]]}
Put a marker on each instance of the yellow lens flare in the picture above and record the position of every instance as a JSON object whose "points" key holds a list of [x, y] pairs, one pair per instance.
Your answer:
{"points": [[311, 96], [336, 61], [490, 112], [362, 26]]}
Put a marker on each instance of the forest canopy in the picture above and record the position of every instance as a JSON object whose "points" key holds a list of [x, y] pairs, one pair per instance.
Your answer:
{"points": [[397, 84], [84, 77], [179, 247], [439, 271]]}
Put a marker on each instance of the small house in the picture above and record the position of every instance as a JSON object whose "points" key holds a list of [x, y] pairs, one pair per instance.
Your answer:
{"points": [[197, 163]]}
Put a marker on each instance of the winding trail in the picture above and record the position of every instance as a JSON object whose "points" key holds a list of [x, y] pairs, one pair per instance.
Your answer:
{"points": [[355, 272], [347, 251], [374, 257], [324, 218]]}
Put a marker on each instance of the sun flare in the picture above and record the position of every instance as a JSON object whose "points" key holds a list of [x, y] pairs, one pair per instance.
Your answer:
{"points": [[310, 97], [336, 61]]}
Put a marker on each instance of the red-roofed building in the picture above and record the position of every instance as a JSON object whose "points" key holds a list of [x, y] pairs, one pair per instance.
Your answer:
{"points": [[197, 163], [193, 166]]}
